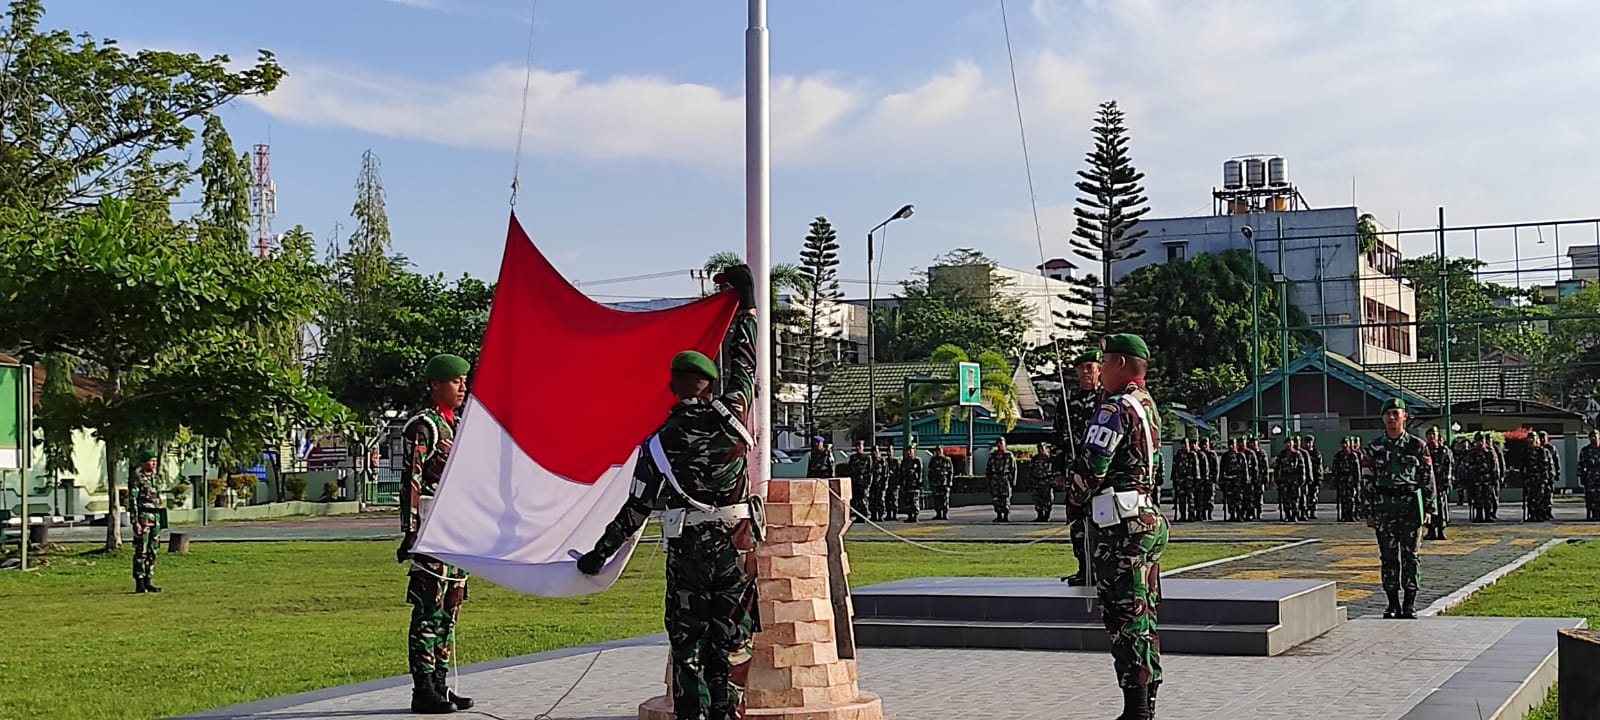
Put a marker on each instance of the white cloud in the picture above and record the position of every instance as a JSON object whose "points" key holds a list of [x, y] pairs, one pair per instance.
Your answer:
{"points": [[1426, 102]]}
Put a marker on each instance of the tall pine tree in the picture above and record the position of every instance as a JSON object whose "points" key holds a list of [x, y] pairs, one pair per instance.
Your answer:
{"points": [[1108, 213], [819, 263], [225, 200]]}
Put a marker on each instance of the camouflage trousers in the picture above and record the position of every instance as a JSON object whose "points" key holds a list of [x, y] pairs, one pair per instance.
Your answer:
{"points": [[860, 489], [1397, 550], [1044, 498], [1127, 574], [146, 540], [710, 619], [1591, 500], [1079, 538], [910, 499], [1000, 494], [877, 500], [939, 498], [1441, 518], [434, 605]]}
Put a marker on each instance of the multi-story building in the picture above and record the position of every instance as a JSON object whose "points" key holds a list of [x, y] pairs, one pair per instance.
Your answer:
{"points": [[1045, 291], [1332, 277]]}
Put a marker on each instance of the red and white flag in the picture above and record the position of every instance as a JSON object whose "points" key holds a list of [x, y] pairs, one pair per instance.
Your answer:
{"points": [[564, 391]]}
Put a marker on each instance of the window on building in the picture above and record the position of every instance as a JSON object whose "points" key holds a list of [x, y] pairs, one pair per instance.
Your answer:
{"points": [[1177, 250], [1384, 259], [1385, 327]]}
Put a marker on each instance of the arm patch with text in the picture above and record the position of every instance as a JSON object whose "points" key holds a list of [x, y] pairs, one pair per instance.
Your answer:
{"points": [[1105, 430]]}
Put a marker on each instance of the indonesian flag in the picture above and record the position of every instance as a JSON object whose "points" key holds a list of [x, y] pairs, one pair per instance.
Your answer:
{"points": [[564, 392]]}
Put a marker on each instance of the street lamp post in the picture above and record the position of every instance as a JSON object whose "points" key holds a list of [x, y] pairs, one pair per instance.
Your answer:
{"points": [[872, 388]]}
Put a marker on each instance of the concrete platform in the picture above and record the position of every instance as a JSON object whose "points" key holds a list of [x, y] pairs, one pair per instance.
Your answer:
{"points": [[1429, 669], [1210, 617]]}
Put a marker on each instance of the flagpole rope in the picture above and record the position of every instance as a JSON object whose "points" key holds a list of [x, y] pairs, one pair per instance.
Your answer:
{"points": [[522, 121], [1008, 548], [649, 567]]}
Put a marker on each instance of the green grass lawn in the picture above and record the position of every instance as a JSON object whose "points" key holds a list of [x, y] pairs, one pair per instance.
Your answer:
{"points": [[245, 621], [1559, 583]]}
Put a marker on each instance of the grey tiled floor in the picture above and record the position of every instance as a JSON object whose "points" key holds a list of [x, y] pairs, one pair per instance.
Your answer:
{"points": [[1364, 670]]}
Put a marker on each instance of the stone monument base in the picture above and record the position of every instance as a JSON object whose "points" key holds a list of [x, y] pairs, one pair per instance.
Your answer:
{"points": [[866, 707]]}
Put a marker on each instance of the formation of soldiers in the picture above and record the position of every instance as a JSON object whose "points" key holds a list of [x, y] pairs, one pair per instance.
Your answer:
{"points": [[886, 488], [1240, 474]]}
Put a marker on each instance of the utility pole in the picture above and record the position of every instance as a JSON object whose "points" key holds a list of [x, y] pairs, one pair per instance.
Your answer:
{"points": [[1283, 330], [1444, 321], [1255, 330]]}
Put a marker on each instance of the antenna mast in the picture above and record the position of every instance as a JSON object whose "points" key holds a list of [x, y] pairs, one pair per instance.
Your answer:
{"points": [[263, 198]]}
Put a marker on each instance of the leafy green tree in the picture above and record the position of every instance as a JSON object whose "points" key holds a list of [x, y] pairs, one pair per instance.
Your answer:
{"points": [[161, 322], [1469, 297], [1108, 213], [1201, 386], [958, 300], [1573, 357], [76, 113], [58, 402], [819, 263], [1195, 315], [225, 198]]}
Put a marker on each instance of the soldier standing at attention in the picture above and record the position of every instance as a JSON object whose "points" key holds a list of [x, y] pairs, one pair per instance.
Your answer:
{"points": [[891, 493], [1235, 474], [434, 590], [1001, 472], [711, 524], [145, 503], [1535, 469], [1444, 463], [941, 478], [1043, 474], [1346, 479], [860, 479], [820, 464], [1288, 468], [1472, 470], [878, 506], [1399, 504], [1313, 475], [1185, 468], [1205, 491], [1552, 476], [1263, 466], [1589, 476], [909, 482], [1080, 404], [1111, 487]]}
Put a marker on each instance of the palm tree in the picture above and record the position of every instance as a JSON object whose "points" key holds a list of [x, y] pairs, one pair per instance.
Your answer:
{"points": [[998, 391], [785, 276]]}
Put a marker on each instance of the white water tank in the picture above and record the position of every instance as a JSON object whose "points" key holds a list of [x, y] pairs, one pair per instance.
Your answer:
{"points": [[1255, 172], [1232, 175], [1277, 171]]}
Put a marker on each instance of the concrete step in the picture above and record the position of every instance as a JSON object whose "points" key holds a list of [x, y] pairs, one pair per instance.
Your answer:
{"points": [[1003, 635]]}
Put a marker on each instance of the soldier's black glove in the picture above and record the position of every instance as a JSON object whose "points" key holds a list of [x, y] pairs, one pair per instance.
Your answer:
{"points": [[403, 553], [590, 562], [739, 278]]}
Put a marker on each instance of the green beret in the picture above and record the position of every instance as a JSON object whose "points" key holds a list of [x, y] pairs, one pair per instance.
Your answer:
{"points": [[1433, 430], [695, 362], [1393, 404], [444, 368], [1127, 344], [147, 455], [1093, 356]]}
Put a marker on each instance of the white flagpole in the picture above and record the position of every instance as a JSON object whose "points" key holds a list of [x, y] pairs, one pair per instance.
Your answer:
{"points": [[758, 233]]}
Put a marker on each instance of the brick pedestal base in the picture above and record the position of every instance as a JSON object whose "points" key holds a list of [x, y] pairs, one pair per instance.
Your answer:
{"points": [[797, 672]]}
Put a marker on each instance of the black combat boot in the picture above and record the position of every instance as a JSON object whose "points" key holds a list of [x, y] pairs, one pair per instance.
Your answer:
{"points": [[1135, 703], [149, 587], [425, 697], [1393, 610], [441, 682], [1154, 686], [1408, 609], [138, 585]]}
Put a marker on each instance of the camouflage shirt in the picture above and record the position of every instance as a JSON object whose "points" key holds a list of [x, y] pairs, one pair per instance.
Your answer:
{"points": [[1444, 463], [1400, 477], [142, 493], [1079, 407], [422, 438], [860, 469], [1001, 469], [941, 471], [1346, 468], [820, 465], [1120, 446], [1589, 466]]}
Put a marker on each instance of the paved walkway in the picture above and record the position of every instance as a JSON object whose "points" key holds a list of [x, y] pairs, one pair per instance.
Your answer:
{"points": [[1364, 670]]}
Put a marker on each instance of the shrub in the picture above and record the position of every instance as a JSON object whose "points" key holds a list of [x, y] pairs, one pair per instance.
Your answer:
{"points": [[296, 485]]}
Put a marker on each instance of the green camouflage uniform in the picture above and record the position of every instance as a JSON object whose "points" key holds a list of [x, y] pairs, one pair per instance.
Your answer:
{"points": [[1589, 477], [1043, 476], [1400, 491], [1538, 468], [711, 590], [820, 464], [1258, 488], [1120, 445], [1185, 466], [1204, 497], [1289, 470], [860, 481], [878, 492], [1080, 406], [941, 478], [1313, 487], [1001, 472], [1444, 482], [435, 590], [909, 481], [145, 505], [1235, 475], [1346, 479]]}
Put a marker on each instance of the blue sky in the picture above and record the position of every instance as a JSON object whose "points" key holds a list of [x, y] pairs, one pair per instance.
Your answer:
{"points": [[633, 159]]}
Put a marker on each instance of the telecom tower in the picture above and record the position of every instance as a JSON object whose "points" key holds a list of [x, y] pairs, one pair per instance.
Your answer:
{"points": [[263, 198]]}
